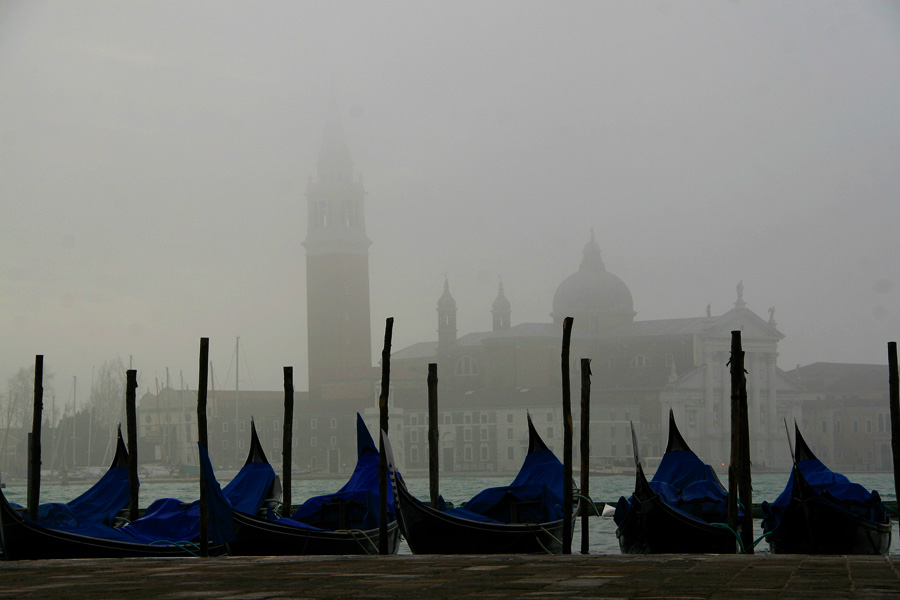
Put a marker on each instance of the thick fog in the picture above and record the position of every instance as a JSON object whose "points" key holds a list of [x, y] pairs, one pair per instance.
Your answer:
{"points": [[154, 158]]}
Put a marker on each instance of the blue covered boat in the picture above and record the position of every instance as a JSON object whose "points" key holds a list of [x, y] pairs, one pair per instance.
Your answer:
{"points": [[680, 510], [523, 517], [823, 512], [98, 505], [345, 522], [168, 527]]}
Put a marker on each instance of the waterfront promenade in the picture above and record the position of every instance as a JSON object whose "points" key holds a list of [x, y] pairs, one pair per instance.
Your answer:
{"points": [[436, 577]]}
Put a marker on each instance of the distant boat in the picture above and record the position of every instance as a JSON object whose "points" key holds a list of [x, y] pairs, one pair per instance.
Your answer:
{"points": [[523, 517], [823, 512], [675, 511]]}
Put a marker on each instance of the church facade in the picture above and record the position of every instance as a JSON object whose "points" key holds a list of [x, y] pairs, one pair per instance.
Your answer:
{"points": [[490, 380]]}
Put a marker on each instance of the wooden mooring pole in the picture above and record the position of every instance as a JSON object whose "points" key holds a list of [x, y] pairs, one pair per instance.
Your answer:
{"points": [[894, 399], [739, 479], [383, 425], [34, 445], [567, 438], [203, 438], [433, 436], [287, 442], [586, 511], [131, 428]]}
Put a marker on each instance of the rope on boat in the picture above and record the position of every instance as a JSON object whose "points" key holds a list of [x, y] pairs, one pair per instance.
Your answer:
{"points": [[182, 545], [597, 511], [552, 537], [738, 537], [353, 533]]}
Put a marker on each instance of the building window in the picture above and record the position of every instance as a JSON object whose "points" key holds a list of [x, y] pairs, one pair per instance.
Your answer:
{"points": [[612, 450], [333, 441], [510, 434], [549, 417], [313, 423], [467, 434], [313, 441], [414, 420], [467, 453], [448, 419], [414, 435], [484, 453], [670, 360], [313, 462], [483, 433], [509, 418], [868, 425], [824, 427], [482, 418], [414, 454], [333, 423], [510, 453], [549, 432], [276, 425], [855, 426], [467, 418], [466, 367], [276, 443], [640, 361], [242, 426], [241, 444], [224, 426]]}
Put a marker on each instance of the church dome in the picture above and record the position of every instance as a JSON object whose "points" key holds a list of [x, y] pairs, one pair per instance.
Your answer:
{"points": [[593, 296]]}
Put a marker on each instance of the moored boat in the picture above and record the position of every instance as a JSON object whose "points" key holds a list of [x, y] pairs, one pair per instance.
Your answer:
{"points": [[523, 517], [342, 523], [168, 527], [681, 510], [823, 512]]}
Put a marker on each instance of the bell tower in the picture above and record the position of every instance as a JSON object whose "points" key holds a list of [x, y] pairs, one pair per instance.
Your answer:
{"points": [[337, 273]]}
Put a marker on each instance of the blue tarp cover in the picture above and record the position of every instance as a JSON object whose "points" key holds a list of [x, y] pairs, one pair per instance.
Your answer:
{"points": [[687, 484], [358, 498], [534, 496], [831, 486], [169, 520]]}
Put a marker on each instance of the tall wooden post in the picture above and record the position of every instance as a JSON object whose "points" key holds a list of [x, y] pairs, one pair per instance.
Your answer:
{"points": [[34, 446], [739, 478], [131, 428], [433, 435], [567, 439], [894, 399], [383, 425], [586, 511], [203, 438], [287, 445]]}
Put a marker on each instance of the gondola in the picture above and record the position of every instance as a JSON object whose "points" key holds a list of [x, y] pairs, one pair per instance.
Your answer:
{"points": [[98, 505], [523, 517], [823, 512], [675, 512], [342, 523], [168, 528]]}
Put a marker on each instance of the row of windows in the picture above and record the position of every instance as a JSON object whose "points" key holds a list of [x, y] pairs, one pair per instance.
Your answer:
{"points": [[276, 425], [884, 425]]}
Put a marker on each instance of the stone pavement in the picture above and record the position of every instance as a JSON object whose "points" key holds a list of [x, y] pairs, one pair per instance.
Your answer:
{"points": [[436, 577]]}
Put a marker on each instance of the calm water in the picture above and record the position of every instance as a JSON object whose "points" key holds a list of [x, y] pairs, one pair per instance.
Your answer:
{"points": [[459, 489]]}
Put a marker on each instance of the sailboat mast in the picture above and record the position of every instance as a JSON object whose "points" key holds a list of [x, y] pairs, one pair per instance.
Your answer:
{"points": [[237, 371], [74, 414], [184, 435]]}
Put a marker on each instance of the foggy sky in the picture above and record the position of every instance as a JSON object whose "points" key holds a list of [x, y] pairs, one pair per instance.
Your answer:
{"points": [[154, 158]]}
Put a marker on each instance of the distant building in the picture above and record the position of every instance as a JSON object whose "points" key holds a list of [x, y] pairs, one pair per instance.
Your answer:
{"points": [[846, 414], [489, 380]]}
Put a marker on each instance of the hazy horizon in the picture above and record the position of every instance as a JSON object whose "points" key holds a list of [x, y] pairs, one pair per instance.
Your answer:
{"points": [[154, 159]]}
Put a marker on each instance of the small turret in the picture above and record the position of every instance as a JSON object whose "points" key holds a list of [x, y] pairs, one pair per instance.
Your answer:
{"points": [[501, 310]]}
